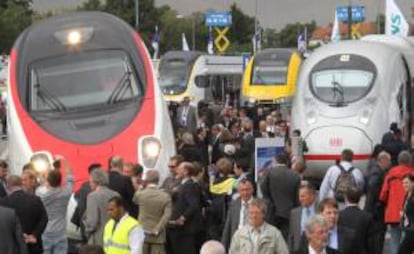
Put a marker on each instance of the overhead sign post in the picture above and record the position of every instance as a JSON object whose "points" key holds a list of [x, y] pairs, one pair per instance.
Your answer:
{"points": [[353, 16], [221, 21]]}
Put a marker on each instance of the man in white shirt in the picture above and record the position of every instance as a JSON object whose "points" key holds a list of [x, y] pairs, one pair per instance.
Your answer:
{"points": [[237, 215], [120, 224], [316, 230]]}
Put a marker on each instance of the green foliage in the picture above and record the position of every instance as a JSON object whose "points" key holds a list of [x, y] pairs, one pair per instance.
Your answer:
{"points": [[288, 36], [15, 16]]}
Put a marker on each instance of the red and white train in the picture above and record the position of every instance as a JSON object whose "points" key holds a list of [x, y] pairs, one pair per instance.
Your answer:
{"points": [[83, 86]]}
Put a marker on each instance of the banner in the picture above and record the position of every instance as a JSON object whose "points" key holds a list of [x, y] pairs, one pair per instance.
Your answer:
{"points": [[395, 22], [185, 44], [156, 43], [265, 151], [336, 34]]}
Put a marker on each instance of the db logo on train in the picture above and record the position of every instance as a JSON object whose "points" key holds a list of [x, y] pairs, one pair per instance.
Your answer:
{"points": [[335, 142]]}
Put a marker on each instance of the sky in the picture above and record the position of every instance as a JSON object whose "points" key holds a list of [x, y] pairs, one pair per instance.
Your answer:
{"points": [[271, 13]]}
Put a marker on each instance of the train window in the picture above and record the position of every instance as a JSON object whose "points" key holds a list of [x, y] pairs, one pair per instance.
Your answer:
{"points": [[173, 75], [269, 72], [340, 82], [82, 80]]}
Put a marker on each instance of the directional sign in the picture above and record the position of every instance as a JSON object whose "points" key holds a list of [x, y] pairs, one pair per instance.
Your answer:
{"points": [[358, 13], [218, 19]]}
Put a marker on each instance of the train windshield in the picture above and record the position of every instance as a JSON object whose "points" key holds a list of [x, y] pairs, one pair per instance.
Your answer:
{"points": [[98, 78], [342, 79], [173, 75], [271, 68]]}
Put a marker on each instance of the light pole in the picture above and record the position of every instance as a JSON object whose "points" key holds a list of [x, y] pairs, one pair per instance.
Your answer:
{"points": [[349, 19], [255, 26], [137, 14]]}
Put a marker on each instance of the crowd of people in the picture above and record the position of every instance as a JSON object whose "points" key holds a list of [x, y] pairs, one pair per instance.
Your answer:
{"points": [[213, 202]]}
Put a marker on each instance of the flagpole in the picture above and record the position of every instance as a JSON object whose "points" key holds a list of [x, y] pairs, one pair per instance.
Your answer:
{"points": [[137, 14], [349, 19], [255, 25]]}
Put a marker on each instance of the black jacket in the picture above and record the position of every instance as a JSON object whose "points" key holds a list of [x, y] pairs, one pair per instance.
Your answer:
{"points": [[187, 203], [361, 222], [31, 213], [123, 185]]}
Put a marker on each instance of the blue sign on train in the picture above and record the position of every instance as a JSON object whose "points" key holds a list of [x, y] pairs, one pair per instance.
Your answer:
{"points": [[358, 13], [218, 18]]}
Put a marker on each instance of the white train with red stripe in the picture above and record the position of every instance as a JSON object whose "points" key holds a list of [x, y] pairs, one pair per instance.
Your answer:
{"points": [[348, 94], [83, 86]]}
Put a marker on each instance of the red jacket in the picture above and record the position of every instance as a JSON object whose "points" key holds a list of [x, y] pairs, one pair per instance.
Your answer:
{"points": [[392, 193]]}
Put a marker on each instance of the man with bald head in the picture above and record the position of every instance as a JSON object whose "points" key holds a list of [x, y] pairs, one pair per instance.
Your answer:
{"points": [[212, 247], [155, 211], [30, 211]]}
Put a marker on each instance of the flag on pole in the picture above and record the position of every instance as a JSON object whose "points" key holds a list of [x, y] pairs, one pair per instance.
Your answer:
{"points": [[257, 40], [336, 35], [210, 45], [185, 44], [395, 22], [156, 43], [302, 47]]}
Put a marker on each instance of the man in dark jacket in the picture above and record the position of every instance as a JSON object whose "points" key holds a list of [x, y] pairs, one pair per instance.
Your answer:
{"points": [[11, 234], [122, 184], [281, 186], [30, 211], [360, 221], [373, 205], [186, 214]]}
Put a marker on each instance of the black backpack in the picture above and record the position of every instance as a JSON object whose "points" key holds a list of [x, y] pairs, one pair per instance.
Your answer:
{"points": [[344, 181]]}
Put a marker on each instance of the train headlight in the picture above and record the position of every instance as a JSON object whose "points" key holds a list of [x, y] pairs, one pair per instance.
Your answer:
{"points": [[74, 36], [42, 161], [365, 116], [311, 117], [150, 148]]}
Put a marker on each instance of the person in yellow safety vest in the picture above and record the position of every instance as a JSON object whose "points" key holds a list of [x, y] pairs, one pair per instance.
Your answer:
{"points": [[122, 234]]}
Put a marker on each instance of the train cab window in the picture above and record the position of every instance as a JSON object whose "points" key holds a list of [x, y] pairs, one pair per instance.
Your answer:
{"points": [[98, 78], [342, 79], [269, 72], [173, 75]]}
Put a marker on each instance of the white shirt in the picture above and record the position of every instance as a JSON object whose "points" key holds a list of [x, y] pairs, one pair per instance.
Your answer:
{"points": [[136, 237], [312, 251], [242, 212]]}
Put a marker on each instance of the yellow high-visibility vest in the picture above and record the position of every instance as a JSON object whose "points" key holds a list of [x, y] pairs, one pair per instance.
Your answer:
{"points": [[117, 242]]}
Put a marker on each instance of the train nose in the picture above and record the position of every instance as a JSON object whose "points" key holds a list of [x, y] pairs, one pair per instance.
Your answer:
{"points": [[325, 145]]}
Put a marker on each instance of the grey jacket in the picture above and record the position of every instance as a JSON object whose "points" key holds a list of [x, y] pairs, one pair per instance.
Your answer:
{"points": [[11, 233], [96, 215], [270, 242]]}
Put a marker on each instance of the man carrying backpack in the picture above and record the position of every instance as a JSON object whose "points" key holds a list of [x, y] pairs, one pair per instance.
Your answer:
{"points": [[340, 177]]}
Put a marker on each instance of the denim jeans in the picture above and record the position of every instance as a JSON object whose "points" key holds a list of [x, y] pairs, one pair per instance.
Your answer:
{"points": [[395, 232], [55, 245]]}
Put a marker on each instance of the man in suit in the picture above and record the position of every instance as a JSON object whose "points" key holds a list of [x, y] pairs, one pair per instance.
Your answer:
{"points": [[373, 205], [155, 211], [186, 116], [300, 215], [280, 186], [3, 176], [237, 215], [96, 215], [122, 184], [316, 230], [11, 234], [30, 211], [340, 238], [360, 221], [186, 214]]}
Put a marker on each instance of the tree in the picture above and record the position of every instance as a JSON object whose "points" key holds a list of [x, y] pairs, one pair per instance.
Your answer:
{"points": [[288, 36], [15, 16], [242, 28]]}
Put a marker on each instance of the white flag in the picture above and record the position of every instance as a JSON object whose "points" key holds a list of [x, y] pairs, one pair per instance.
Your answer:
{"points": [[185, 44], [395, 22], [210, 46], [335, 35], [156, 43]]}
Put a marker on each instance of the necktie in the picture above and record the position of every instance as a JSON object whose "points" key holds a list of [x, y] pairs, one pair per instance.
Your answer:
{"points": [[245, 213], [115, 224], [308, 213]]}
